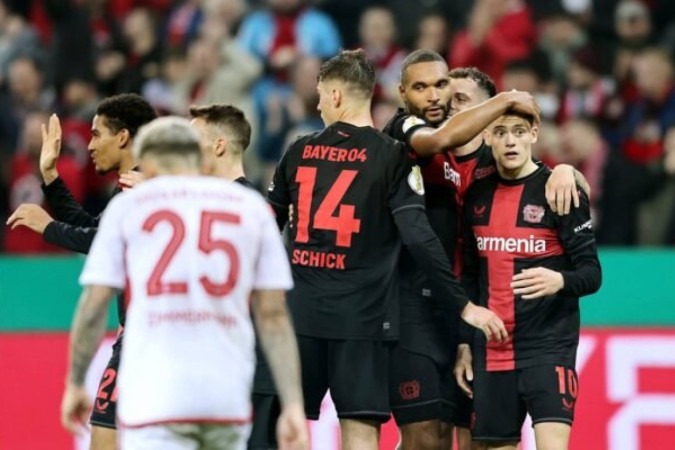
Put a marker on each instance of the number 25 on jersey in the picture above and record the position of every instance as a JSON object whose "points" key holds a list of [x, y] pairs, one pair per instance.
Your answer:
{"points": [[207, 244]]}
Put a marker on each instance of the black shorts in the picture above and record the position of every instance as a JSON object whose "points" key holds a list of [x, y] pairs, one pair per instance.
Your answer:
{"points": [[355, 371], [457, 407], [414, 387], [502, 399], [266, 411], [105, 405]]}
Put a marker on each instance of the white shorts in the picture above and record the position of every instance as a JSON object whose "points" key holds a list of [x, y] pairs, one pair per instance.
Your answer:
{"points": [[185, 436]]}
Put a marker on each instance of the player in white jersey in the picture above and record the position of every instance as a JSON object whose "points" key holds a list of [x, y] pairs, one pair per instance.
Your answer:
{"points": [[191, 251]]}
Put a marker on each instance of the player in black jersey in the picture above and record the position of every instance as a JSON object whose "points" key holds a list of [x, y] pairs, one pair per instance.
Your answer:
{"points": [[474, 161], [224, 136], [423, 403], [356, 197], [530, 265], [114, 127]]}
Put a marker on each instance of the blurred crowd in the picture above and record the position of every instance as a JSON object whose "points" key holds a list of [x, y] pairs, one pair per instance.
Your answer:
{"points": [[601, 70]]}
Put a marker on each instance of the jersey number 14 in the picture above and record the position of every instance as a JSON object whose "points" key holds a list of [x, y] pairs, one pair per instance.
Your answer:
{"points": [[344, 224]]}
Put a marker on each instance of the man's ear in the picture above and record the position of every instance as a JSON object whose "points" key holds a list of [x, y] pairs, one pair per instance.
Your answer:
{"points": [[487, 137], [535, 133], [336, 97], [123, 138], [220, 147]]}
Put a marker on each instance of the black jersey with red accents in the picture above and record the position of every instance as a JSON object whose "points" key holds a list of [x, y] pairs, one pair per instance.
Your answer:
{"points": [[439, 190], [426, 324], [466, 169], [345, 184], [509, 227]]}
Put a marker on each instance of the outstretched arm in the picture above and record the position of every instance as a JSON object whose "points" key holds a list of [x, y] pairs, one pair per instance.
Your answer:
{"points": [[464, 126]]}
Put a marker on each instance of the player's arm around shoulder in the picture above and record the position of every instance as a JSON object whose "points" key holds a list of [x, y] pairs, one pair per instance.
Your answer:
{"points": [[563, 187]]}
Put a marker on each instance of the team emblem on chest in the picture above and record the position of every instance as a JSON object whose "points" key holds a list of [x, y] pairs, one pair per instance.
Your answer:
{"points": [[533, 213]]}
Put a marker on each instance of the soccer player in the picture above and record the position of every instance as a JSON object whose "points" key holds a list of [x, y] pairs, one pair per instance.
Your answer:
{"points": [[474, 161], [224, 135], [114, 127], [355, 197], [529, 265], [423, 402], [192, 254]]}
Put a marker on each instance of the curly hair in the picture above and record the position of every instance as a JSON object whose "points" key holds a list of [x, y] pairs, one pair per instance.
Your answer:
{"points": [[126, 111]]}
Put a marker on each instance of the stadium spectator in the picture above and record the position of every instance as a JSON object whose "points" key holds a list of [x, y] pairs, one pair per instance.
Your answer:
{"points": [[633, 28], [279, 35], [582, 146], [17, 38], [532, 75], [377, 31], [27, 92], [433, 33], [183, 22], [588, 93], [561, 37], [498, 32], [143, 50]]}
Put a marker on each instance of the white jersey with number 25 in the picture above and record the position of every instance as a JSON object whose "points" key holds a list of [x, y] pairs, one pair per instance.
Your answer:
{"points": [[189, 250]]}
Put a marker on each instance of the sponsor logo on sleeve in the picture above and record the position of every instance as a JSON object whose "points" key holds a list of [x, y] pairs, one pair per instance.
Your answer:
{"points": [[412, 121], [583, 226], [533, 213], [415, 180]]}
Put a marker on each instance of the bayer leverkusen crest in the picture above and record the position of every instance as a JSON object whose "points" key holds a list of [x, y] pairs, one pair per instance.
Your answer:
{"points": [[533, 213]]}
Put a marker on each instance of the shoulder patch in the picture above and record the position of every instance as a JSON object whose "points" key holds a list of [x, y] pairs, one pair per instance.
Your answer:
{"points": [[415, 180], [410, 122]]}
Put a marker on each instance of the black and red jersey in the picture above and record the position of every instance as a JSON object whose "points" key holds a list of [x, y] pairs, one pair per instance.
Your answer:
{"points": [[508, 227], [345, 184], [439, 190], [422, 321], [466, 169]]}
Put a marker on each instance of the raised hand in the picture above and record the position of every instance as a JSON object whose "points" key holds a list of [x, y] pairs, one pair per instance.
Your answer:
{"points": [[51, 148]]}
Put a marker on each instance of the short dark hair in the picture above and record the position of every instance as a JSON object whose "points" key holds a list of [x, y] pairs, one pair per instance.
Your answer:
{"points": [[227, 116], [418, 57], [483, 80], [126, 111], [351, 67], [168, 136]]}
